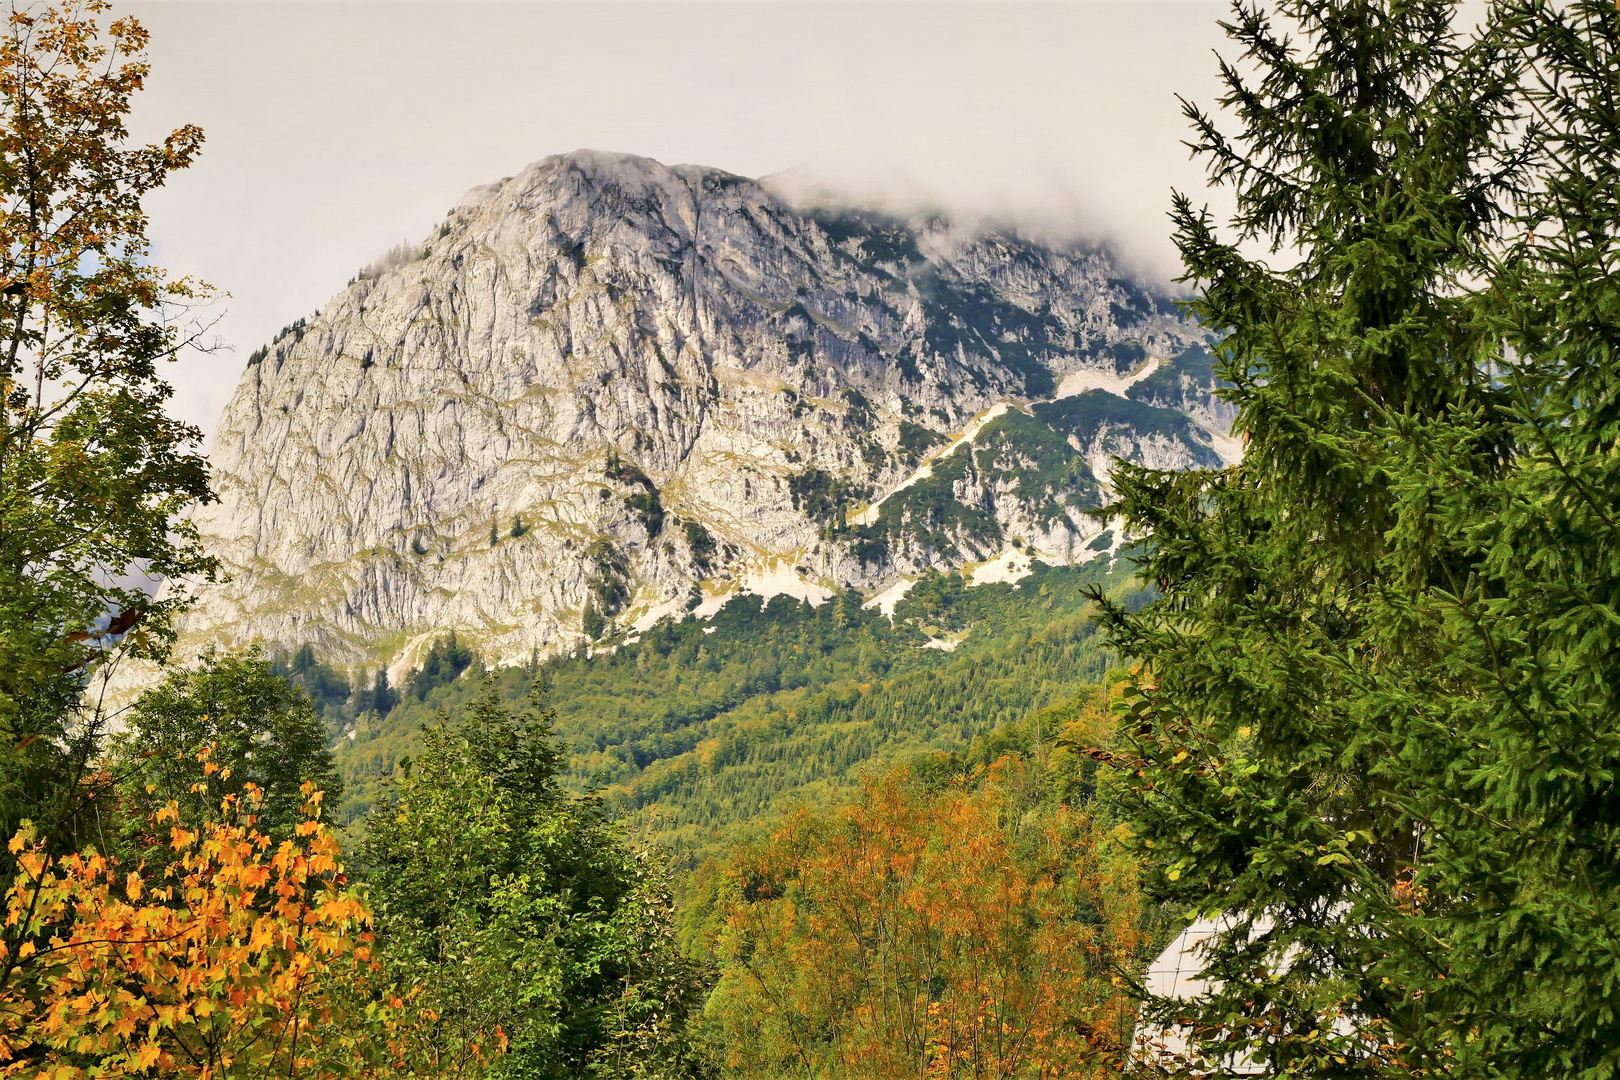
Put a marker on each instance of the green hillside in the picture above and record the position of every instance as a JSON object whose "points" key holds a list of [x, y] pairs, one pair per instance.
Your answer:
{"points": [[701, 727]]}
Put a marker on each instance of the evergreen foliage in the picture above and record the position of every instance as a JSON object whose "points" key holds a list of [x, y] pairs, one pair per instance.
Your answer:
{"points": [[325, 685], [380, 698], [1033, 448], [1376, 726], [446, 659], [700, 542], [1096, 414], [915, 441], [643, 499], [1182, 382], [822, 496]]}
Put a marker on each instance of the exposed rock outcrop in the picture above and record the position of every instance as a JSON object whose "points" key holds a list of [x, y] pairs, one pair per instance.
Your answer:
{"points": [[604, 387]]}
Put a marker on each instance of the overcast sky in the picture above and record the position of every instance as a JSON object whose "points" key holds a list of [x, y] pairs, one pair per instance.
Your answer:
{"points": [[336, 130]]}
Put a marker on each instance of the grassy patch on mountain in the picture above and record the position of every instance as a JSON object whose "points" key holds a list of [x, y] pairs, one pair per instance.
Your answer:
{"points": [[1178, 383], [1047, 474], [928, 516], [1097, 412], [1016, 454]]}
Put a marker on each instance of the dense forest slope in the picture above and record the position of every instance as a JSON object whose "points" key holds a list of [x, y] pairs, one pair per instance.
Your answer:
{"points": [[701, 727], [606, 391]]}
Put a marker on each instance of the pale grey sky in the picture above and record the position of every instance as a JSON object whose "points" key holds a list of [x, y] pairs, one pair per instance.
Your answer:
{"points": [[336, 130]]}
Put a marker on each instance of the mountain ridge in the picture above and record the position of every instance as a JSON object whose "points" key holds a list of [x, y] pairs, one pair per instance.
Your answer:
{"points": [[606, 390]]}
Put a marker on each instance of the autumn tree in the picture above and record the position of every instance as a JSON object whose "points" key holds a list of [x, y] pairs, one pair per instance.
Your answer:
{"points": [[260, 730], [919, 932], [239, 957], [93, 472]]}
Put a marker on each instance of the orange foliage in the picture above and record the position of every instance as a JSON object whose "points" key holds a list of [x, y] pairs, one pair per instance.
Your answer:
{"points": [[236, 959], [962, 934]]}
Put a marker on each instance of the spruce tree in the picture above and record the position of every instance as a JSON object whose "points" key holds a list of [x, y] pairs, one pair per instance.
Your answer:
{"points": [[1501, 623], [1378, 729], [1375, 160]]}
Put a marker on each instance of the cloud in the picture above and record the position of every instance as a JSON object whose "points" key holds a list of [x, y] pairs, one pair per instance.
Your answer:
{"points": [[336, 130]]}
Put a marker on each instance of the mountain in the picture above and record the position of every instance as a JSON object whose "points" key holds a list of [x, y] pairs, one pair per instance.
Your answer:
{"points": [[606, 391]]}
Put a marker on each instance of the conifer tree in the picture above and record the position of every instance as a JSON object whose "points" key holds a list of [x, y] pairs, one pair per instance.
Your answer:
{"points": [[1499, 670], [1278, 783], [1378, 729]]}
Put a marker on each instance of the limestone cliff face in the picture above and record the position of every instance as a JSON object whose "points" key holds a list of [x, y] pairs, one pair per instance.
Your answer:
{"points": [[605, 388]]}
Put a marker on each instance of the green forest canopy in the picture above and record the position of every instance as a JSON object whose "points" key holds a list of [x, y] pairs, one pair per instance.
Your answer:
{"points": [[700, 727]]}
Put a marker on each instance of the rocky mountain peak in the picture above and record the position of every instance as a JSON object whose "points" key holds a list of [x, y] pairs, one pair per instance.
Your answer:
{"points": [[605, 390]]}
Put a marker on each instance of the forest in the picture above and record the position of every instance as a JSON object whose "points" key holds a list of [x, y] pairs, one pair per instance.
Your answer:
{"points": [[703, 725], [1348, 704]]}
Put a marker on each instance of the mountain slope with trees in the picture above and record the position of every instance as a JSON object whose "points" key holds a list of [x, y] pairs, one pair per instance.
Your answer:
{"points": [[699, 729]]}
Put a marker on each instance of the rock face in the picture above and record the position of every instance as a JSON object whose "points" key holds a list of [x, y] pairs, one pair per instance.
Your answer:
{"points": [[606, 389]]}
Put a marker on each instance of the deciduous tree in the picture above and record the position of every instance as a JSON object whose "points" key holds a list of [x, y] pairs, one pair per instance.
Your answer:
{"points": [[261, 732], [516, 905], [93, 472], [240, 957], [919, 933]]}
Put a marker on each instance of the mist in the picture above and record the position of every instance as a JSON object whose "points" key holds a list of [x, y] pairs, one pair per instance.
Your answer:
{"points": [[337, 131]]}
